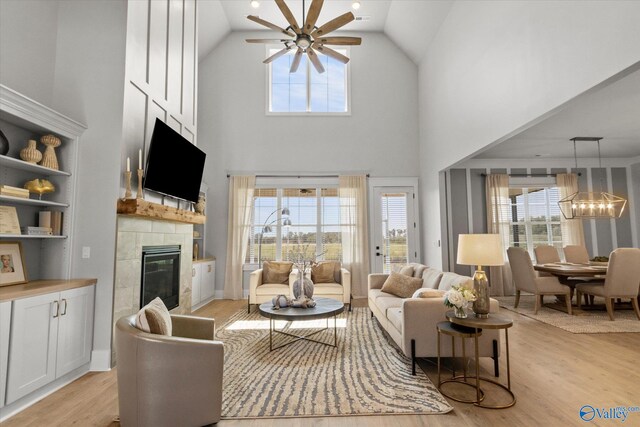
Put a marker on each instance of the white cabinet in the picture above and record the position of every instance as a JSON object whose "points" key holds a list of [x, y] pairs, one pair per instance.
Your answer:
{"points": [[203, 283], [50, 336], [5, 328]]}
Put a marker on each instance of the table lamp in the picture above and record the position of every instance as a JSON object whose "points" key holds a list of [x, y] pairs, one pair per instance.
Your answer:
{"points": [[479, 250]]}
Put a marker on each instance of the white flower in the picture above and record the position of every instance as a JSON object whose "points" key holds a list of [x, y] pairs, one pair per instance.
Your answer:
{"points": [[459, 296]]}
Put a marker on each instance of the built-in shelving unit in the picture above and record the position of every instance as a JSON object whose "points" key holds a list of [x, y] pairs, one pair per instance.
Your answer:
{"points": [[22, 119]]}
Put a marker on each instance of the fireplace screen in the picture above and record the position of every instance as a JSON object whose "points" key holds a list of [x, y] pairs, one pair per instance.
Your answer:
{"points": [[160, 275]]}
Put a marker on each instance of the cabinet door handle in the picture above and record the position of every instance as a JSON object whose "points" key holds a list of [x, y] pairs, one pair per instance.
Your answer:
{"points": [[65, 307], [57, 309], [209, 271]]}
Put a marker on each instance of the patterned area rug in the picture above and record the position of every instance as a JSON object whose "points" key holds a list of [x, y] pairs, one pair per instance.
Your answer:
{"points": [[365, 375], [582, 321]]}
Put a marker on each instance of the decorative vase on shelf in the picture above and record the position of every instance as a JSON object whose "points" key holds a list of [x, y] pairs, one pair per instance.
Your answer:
{"points": [[30, 153], [302, 287], [201, 205], [49, 159], [4, 144], [460, 312]]}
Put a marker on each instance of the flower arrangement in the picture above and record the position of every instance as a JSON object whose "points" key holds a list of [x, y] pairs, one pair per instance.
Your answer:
{"points": [[459, 297]]}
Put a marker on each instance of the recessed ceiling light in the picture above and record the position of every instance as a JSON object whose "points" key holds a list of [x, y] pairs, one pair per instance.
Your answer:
{"points": [[355, 5], [255, 4]]}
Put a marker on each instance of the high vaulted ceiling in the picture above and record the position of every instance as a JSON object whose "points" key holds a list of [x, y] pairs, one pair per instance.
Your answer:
{"points": [[411, 24]]}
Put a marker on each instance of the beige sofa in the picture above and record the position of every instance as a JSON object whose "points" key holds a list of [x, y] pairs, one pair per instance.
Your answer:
{"points": [[411, 322]]}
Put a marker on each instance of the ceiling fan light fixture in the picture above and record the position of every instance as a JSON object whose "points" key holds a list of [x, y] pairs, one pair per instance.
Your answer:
{"points": [[303, 41], [255, 4], [356, 4]]}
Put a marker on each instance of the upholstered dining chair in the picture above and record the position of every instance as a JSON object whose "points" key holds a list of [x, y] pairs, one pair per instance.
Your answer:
{"points": [[576, 254], [546, 254], [622, 280], [274, 278], [169, 380], [525, 279]]}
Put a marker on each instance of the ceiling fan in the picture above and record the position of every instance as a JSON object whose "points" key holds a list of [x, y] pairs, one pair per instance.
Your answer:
{"points": [[309, 38]]}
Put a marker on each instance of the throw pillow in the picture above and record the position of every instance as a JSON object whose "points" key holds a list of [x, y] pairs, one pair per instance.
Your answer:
{"points": [[428, 293], [407, 270], [154, 318], [324, 272], [276, 272], [400, 285]]}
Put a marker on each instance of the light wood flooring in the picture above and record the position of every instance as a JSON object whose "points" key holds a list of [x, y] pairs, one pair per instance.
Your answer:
{"points": [[554, 373]]}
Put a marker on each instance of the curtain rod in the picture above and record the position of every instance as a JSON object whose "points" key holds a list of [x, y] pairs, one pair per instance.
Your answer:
{"points": [[532, 175], [296, 176]]}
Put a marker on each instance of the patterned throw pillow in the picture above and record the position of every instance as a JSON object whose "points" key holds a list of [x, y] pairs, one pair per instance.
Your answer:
{"points": [[407, 270], [154, 318], [401, 286], [276, 272], [324, 272]]}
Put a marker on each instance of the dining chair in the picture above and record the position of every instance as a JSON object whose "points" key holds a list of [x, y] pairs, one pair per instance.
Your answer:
{"points": [[576, 253], [525, 279], [546, 254], [622, 280]]}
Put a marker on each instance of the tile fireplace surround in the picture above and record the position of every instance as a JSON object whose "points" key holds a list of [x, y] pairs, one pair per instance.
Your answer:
{"points": [[133, 234]]}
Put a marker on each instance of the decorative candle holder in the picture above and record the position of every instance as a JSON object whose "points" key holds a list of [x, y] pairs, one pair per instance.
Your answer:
{"points": [[49, 159], [139, 194], [127, 180]]}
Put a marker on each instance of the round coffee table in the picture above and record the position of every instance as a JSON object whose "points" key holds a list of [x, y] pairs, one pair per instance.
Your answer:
{"points": [[325, 308]]}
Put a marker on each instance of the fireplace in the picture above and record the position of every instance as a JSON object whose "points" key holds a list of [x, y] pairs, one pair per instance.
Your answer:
{"points": [[160, 275]]}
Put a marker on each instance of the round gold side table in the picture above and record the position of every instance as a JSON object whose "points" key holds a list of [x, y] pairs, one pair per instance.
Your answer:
{"points": [[462, 332], [494, 321]]}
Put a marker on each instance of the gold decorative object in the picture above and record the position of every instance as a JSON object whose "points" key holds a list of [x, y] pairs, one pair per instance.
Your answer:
{"points": [[30, 153], [49, 160], [139, 194], [40, 187], [201, 205]]}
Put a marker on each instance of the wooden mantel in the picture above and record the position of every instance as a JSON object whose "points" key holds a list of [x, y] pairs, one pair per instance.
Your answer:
{"points": [[142, 208]]}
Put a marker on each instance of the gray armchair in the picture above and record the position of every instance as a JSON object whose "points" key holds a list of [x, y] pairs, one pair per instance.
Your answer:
{"points": [[169, 380]]}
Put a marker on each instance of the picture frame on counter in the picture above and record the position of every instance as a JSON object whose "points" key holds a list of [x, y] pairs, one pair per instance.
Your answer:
{"points": [[12, 268]]}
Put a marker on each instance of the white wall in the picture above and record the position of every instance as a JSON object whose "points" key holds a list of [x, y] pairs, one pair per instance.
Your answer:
{"points": [[89, 87], [496, 67], [28, 47], [380, 137]]}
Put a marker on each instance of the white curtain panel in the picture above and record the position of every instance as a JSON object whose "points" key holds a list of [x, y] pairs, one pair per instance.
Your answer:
{"points": [[498, 222], [355, 231], [241, 190], [572, 230]]}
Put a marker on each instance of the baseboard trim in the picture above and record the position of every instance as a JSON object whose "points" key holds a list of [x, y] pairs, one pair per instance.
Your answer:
{"points": [[100, 360]]}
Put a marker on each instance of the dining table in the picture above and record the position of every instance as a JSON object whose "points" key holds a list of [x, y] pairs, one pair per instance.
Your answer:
{"points": [[567, 272]]}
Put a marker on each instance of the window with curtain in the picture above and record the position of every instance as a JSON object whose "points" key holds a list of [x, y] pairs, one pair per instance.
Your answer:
{"points": [[534, 217], [315, 222]]}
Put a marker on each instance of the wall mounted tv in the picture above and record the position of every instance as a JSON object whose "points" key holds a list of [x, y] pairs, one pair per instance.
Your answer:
{"points": [[174, 165]]}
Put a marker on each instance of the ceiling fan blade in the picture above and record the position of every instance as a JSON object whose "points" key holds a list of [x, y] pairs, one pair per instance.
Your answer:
{"points": [[269, 25], [276, 55], [315, 60], [331, 53], [342, 41], [333, 25], [312, 16], [296, 61], [288, 15], [268, 40]]}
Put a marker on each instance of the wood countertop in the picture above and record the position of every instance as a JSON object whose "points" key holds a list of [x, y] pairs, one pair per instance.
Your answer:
{"points": [[207, 259], [41, 287]]}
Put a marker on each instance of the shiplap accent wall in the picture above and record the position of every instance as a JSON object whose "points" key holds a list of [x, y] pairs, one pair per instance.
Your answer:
{"points": [[161, 72], [466, 206]]}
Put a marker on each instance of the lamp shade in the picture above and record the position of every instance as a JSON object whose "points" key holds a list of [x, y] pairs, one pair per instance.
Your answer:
{"points": [[480, 249]]}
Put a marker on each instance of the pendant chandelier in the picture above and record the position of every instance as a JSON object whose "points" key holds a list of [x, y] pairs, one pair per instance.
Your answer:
{"points": [[591, 204]]}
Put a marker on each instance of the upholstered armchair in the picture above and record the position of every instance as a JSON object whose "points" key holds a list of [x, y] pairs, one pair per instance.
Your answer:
{"points": [[526, 279], [546, 254], [275, 278], [330, 280], [169, 380], [622, 280]]}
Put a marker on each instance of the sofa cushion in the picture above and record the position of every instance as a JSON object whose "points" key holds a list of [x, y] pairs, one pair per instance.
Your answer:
{"points": [[384, 303], [428, 293], [327, 289], [273, 289], [375, 293], [407, 270], [154, 318], [431, 278], [394, 316], [418, 270], [324, 272], [401, 285], [450, 279], [276, 272]]}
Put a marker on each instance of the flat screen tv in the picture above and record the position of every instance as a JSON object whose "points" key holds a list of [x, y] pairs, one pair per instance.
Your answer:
{"points": [[174, 165]]}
